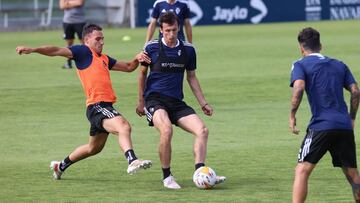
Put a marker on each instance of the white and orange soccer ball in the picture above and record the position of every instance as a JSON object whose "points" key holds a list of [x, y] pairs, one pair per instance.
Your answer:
{"points": [[204, 177]]}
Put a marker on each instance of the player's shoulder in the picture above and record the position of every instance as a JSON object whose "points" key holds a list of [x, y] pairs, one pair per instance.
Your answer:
{"points": [[151, 45], [189, 48], [334, 60], [183, 2], [188, 45], [158, 2], [296, 63], [300, 60], [79, 48], [153, 42]]}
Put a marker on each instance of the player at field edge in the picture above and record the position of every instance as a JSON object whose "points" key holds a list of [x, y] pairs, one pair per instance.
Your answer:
{"points": [[73, 22], [161, 93], [331, 127], [93, 70], [180, 8]]}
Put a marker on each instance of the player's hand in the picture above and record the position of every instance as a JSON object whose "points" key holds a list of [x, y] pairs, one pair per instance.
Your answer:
{"points": [[142, 57], [23, 50], [207, 110], [292, 126], [140, 109]]}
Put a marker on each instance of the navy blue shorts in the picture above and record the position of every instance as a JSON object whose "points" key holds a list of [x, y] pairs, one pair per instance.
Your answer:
{"points": [[96, 113], [340, 144], [175, 108]]}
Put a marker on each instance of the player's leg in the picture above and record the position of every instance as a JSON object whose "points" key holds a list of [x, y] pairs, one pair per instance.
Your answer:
{"points": [[343, 153], [119, 126], [300, 186], [163, 124], [193, 124], [352, 175], [78, 29], [69, 36], [95, 145], [315, 144]]}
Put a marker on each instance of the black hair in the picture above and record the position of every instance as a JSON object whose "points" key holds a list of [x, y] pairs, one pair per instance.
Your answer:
{"points": [[89, 28], [168, 17], [309, 38]]}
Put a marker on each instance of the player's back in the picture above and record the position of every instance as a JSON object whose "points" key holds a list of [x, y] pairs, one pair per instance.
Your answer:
{"points": [[325, 79]]}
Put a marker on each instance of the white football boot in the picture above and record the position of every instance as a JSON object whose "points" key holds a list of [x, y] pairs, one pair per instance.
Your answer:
{"points": [[220, 179], [170, 183], [137, 165], [54, 166]]}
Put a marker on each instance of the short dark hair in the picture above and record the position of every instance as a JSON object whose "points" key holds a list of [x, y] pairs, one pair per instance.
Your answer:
{"points": [[89, 28], [309, 38], [168, 17]]}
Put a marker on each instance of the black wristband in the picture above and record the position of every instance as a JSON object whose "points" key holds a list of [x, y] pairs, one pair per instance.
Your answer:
{"points": [[204, 106]]}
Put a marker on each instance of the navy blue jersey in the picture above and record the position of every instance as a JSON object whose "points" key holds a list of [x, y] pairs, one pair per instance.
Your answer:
{"points": [[325, 79], [83, 57], [180, 8], [167, 67]]}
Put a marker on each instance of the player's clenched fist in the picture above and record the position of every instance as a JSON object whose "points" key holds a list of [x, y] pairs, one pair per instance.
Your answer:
{"points": [[23, 50]]}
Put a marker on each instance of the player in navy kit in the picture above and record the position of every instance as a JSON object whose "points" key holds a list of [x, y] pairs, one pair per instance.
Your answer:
{"points": [[331, 127], [162, 95], [182, 11]]}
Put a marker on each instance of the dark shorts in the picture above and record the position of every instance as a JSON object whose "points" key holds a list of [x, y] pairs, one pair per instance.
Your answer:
{"points": [[71, 29], [96, 113], [340, 144], [175, 108]]}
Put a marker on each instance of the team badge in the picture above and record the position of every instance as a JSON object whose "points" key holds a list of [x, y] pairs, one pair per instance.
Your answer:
{"points": [[179, 52], [177, 10]]}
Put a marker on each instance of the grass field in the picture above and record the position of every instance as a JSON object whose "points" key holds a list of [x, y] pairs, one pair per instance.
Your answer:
{"points": [[244, 72]]}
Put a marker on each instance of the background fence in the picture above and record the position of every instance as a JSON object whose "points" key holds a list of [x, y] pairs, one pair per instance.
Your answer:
{"points": [[37, 14]]}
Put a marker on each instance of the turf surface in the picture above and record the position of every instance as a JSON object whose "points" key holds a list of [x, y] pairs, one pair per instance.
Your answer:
{"points": [[244, 72]]}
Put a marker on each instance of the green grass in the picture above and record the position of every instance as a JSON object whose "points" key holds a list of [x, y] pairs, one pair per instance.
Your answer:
{"points": [[244, 72]]}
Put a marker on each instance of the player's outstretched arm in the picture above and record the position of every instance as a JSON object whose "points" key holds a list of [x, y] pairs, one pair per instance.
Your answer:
{"points": [[196, 89], [354, 101], [297, 93], [45, 50], [132, 65]]}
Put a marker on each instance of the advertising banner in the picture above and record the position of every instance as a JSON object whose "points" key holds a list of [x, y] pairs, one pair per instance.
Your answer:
{"points": [[212, 12]]}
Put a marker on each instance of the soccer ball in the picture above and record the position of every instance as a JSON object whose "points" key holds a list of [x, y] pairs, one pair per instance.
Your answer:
{"points": [[204, 177]]}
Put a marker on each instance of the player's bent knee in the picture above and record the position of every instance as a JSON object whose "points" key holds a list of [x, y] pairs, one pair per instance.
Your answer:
{"points": [[302, 170], [124, 128]]}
